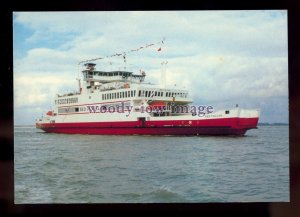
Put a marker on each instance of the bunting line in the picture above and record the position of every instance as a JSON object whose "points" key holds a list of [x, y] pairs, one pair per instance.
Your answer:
{"points": [[124, 53]]}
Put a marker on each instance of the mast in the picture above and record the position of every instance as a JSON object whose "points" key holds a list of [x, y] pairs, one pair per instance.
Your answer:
{"points": [[164, 66], [163, 75], [79, 85]]}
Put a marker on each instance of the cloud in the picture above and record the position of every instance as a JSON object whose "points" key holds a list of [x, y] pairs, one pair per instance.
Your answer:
{"points": [[41, 61], [216, 55], [209, 30], [223, 77], [38, 90]]}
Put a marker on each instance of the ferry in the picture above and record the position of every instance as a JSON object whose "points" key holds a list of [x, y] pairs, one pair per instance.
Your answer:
{"points": [[121, 103]]}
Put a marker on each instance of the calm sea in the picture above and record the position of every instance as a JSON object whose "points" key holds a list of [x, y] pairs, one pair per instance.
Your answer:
{"points": [[57, 168]]}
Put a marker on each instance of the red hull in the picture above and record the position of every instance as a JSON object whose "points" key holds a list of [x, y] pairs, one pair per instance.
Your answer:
{"points": [[225, 126]]}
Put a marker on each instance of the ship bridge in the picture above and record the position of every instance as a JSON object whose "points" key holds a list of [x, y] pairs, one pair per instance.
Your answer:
{"points": [[92, 75]]}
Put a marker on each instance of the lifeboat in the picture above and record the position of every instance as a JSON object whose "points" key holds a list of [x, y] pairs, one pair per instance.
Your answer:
{"points": [[158, 105], [50, 113]]}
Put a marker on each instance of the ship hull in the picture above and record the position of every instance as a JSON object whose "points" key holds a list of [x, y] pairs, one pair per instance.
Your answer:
{"points": [[222, 126]]}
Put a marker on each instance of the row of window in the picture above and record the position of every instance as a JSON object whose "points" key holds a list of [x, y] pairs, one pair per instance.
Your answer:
{"points": [[172, 94], [66, 101], [160, 93], [119, 95], [68, 110], [124, 94], [147, 93], [98, 73]]}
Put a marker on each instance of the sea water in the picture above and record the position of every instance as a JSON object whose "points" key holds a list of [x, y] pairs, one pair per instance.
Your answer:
{"points": [[60, 168]]}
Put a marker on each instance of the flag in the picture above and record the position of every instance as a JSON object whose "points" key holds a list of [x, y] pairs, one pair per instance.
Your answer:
{"points": [[159, 49]]}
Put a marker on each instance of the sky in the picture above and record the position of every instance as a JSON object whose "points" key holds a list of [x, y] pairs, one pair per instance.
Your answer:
{"points": [[222, 58]]}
